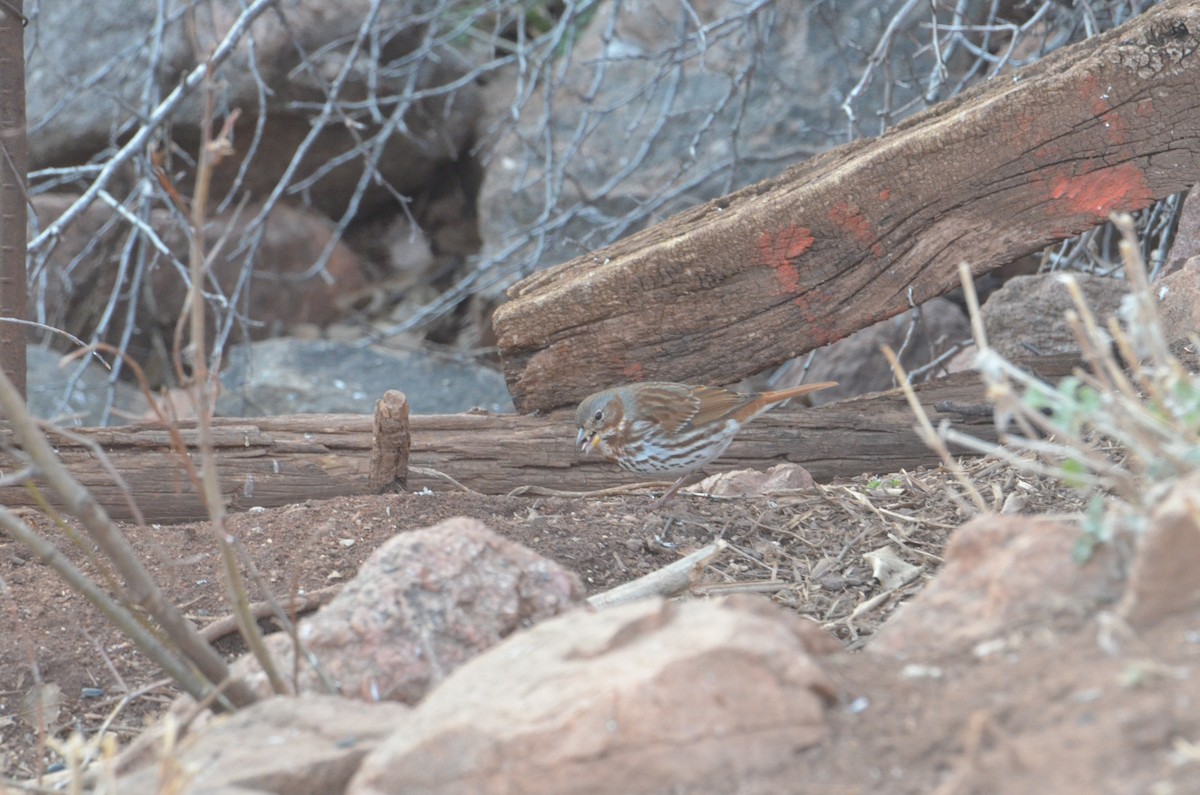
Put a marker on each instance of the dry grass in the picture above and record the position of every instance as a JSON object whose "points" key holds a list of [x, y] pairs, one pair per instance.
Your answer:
{"points": [[811, 550]]}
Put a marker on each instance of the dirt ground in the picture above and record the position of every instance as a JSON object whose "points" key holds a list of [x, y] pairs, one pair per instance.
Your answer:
{"points": [[1102, 714]]}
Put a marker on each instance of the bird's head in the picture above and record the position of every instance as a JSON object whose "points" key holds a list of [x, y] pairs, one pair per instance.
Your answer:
{"points": [[597, 419]]}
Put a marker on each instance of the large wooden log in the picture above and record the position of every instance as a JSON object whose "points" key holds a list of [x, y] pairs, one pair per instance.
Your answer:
{"points": [[275, 461], [734, 286]]}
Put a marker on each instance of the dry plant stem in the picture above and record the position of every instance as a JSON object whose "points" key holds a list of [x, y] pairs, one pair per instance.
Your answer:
{"points": [[284, 617], [17, 478], [1169, 437], [105, 462], [1034, 422], [1123, 343], [211, 151], [1135, 272], [1133, 425], [929, 435], [140, 588], [968, 285], [1009, 457], [1096, 349], [121, 618], [26, 786], [169, 423], [52, 330], [309, 601], [667, 581], [103, 570], [438, 474], [136, 145], [726, 588], [1073, 447], [546, 491]]}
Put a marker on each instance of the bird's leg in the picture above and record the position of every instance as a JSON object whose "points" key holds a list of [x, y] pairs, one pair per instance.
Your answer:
{"points": [[695, 476]]}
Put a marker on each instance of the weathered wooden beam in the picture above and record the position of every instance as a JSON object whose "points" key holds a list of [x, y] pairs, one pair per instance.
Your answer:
{"points": [[274, 461], [744, 282]]}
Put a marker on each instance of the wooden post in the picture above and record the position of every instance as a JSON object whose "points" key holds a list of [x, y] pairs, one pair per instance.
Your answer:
{"points": [[390, 444]]}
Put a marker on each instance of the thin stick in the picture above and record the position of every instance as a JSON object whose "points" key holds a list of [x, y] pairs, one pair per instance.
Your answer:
{"points": [[211, 152], [667, 581], [929, 435], [223, 626]]}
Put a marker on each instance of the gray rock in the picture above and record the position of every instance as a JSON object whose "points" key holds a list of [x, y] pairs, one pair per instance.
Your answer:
{"points": [[645, 124], [91, 67], [75, 395], [71, 288], [857, 362], [289, 376], [1027, 316]]}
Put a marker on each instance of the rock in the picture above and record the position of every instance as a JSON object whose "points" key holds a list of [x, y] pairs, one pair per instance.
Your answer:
{"points": [[963, 360], [1026, 317], [1165, 578], [630, 143], [54, 394], [649, 697], [1001, 574], [1187, 233], [857, 363], [423, 604], [286, 376], [752, 483], [87, 84], [1178, 296], [396, 246], [304, 745], [889, 569], [71, 288]]}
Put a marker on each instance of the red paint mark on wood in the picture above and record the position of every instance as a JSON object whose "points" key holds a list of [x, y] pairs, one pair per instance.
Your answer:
{"points": [[885, 194], [788, 278], [1144, 108], [1026, 128], [1115, 128], [1094, 95], [634, 372], [1051, 153], [778, 250], [1121, 188], [849, 217], [814, 307], [1099, 102]]}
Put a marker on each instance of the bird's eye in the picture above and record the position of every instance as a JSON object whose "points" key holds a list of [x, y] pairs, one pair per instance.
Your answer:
{"points": [[599, 415]]}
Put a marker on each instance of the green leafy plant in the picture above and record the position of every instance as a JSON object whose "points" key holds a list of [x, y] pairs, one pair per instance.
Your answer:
{"points": [[1126, 428]]}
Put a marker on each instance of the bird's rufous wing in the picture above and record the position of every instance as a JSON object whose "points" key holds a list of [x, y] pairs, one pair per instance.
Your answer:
{"points": [[670, 406], [716, 403]]}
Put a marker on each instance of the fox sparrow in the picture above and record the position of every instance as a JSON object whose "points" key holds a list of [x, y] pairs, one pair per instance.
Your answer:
{"points": [[659, 427]]}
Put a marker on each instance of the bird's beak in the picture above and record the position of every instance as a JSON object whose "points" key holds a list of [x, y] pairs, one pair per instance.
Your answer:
{"points": [[586, 441]]}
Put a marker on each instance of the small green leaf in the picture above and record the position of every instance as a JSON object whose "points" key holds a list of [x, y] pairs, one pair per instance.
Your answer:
{"points": [[1084, 548], [1074, 473]]}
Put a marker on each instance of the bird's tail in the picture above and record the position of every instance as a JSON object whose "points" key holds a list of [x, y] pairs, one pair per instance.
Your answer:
{"points": [[780, 395]]}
